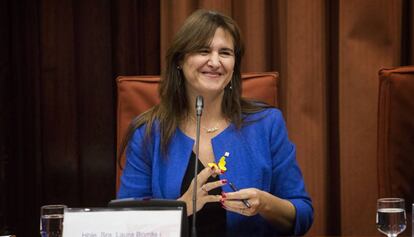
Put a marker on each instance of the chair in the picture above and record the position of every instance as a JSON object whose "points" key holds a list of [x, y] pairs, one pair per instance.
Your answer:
{"points": [[136, 94], [396, 135]]}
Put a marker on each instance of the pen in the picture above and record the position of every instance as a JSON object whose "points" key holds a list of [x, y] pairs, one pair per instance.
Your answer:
{"points": [[246, 203]]}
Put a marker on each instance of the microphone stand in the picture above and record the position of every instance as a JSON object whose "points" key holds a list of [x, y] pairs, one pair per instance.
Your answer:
{"points": [[199, 109]]}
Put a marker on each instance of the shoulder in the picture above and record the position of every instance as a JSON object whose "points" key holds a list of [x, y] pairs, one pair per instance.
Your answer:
{"points": [[268, 122], [265, 116], [146, 129]]}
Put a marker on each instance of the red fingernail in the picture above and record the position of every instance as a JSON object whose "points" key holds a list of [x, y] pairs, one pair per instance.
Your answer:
{"points": [[224, 181], [222, 171], [223, 194], [222, 200]]}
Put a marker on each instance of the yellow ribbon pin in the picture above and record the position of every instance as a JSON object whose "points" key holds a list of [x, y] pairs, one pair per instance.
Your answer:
{"points": [[221, 164]]}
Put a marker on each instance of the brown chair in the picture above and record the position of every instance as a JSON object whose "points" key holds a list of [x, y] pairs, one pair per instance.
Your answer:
{"points": [[136, 94], [396, 136]]}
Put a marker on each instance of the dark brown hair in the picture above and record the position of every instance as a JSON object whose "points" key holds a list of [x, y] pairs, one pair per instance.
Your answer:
{"points": [[195, 34]]}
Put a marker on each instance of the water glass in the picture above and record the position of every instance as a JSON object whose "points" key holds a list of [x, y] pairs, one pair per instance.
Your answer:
{"points": [[391, 217], [51, 220]]}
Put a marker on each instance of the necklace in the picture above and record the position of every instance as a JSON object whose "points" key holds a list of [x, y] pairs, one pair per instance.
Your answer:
{"points": [[211, 129]]}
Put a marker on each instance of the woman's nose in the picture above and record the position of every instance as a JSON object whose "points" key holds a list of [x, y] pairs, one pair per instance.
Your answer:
{"points": [[214, 60]]}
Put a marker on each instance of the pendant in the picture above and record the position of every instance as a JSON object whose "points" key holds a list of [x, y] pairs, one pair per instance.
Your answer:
{"points": [[211, 130]]}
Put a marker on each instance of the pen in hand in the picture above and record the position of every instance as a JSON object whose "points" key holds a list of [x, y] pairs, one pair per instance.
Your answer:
{"points": [[246, 203]]}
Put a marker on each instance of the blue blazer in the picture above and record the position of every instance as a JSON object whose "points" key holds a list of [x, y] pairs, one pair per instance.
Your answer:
{"points": [[261, 156]]}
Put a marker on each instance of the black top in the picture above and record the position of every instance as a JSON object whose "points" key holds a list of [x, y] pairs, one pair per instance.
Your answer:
{"points": [[211, 219]]}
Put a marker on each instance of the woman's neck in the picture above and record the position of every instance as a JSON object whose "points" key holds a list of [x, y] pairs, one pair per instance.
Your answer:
{"points": [[212, 120], [212, 112]]}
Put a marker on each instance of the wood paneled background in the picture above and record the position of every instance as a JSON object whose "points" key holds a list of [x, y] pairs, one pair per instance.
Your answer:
{"points": [[59, 60]]}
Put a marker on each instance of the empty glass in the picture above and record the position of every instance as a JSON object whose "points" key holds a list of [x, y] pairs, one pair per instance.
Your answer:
{"points": [[51, 220], [391, 218]]}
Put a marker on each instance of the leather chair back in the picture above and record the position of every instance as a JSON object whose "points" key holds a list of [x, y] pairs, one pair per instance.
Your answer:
{"points": [[396, 135], [137, 94]]}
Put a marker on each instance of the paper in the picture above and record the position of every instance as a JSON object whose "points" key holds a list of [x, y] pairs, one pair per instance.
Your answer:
{"points": [[122, 223]]}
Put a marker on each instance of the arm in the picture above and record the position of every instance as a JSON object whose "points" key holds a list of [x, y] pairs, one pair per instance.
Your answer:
{"points": [[287, 179], [137, 176], [286, 205], [279, 212]]}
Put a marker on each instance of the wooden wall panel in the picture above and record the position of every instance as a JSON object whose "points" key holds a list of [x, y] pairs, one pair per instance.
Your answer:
{"points": [[23, 191], [410, 33], [369, 39], [254, 32], [135, 37], [171, 20], [305, 85], [95, 102], [218, 5], [58, 100], [7, 136]]}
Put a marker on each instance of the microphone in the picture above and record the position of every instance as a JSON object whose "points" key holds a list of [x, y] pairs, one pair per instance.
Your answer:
{"points": [[199, 110], [199, 105]]}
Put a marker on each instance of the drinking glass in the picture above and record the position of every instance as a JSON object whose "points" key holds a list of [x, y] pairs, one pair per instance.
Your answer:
{"points": [[51, 220], [391, 218]]}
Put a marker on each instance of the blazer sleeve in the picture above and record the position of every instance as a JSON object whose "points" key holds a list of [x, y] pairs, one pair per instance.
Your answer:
{"points": [[287, 179], [136, 177]]}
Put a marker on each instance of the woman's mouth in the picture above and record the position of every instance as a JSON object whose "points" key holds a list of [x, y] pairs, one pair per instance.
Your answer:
{"points": [[212, 74]]}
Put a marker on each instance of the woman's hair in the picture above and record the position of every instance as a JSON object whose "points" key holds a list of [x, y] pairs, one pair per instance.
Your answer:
{"points": [[196, 33]]}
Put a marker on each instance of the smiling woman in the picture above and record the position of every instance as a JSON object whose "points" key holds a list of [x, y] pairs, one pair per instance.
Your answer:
{"points": [[210, 69], [207, 72], [204, 59]]}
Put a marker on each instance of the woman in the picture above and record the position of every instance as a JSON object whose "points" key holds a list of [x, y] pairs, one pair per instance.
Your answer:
{"points": [[205, 59]]}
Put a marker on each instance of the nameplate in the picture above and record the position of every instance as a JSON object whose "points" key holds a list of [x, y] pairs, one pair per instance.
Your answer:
{"points": [[125, 222]]}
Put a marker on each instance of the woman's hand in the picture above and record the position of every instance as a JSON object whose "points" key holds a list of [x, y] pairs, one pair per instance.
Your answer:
{"points": [[202, 190], [232, 201], [279, 212]]}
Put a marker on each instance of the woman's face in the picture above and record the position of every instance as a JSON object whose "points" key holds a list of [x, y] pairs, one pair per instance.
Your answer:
{"points": [[210, 69]]}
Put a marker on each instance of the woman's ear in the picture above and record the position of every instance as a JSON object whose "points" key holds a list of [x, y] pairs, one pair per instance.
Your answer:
{"points": [[180, 65]]}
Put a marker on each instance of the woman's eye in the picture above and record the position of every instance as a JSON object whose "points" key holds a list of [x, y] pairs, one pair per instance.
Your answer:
{"points": [[203, 51], [226, 53]]}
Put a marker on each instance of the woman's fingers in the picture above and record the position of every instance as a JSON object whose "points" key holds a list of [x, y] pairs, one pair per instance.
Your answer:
{"points": [[213, 185], [242, 194], [238, 206], [234, 204], [241, 210], [202, 189], [234, 201], [212, 198], [203, 176], [210, 186]]}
